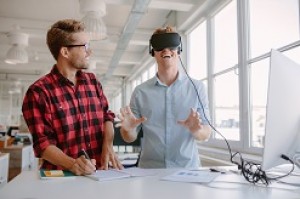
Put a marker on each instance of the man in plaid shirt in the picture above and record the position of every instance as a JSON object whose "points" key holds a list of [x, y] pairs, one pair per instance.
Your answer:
{"points": [[66, 110]]}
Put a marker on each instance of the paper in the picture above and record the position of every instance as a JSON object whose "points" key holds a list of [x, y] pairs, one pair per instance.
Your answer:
{"points": [[200, 176], [112, 174], [139, 172], [105, 175]]}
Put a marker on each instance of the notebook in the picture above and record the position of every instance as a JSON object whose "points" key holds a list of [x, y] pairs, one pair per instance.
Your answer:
{"points": [[105, 175], [113, 174], [55, 174]]}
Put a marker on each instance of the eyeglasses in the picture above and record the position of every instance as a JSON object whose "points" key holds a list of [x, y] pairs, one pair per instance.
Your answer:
{"points": [[86, 46]]}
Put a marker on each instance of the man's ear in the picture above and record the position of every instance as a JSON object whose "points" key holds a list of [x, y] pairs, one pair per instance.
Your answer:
{"points": [[64, 52]]}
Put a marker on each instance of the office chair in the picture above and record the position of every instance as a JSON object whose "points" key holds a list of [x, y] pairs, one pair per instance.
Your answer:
{"points": [[119, 142]]}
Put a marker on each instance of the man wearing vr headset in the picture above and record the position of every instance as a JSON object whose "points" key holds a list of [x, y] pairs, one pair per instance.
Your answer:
{"points": [[167, 109]]}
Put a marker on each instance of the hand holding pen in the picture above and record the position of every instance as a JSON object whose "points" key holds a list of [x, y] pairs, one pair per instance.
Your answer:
{"points": [[83, 165], [86, 164]]}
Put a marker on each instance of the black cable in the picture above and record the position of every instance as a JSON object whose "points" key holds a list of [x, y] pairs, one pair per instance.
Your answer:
{"points": [[251, 171]]}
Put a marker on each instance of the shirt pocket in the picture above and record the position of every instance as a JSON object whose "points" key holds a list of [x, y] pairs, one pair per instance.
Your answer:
{"points": [[59, 111], [63, 117]]}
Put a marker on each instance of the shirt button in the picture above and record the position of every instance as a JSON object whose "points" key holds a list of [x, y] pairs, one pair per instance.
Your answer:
{"points": [[89, 145]]}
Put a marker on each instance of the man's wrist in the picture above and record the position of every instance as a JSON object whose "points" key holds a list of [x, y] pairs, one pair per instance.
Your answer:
{"points": [[70, 164], [129, 130]]}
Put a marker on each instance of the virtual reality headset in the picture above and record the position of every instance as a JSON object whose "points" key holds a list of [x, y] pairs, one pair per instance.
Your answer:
{"points": [[159, 42]]}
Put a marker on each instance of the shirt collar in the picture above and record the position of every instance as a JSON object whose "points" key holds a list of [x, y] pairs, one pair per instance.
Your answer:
{"points": [[63, 80], [157, 81]]}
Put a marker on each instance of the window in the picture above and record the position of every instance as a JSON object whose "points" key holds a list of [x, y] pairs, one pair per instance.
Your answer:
{"points": [[227, 105], [226, 86], [282, 21], [197, 52], [226, 38], [279, 27], [237, 64], [259, 86]]}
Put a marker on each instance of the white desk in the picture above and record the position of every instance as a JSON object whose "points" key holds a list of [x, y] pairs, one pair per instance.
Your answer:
{"points": [[4, 164], [28, 185], [21, 158]]}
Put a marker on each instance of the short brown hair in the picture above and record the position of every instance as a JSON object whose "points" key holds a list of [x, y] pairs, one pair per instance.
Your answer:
{"points": [[167, 29], [60, 34]]}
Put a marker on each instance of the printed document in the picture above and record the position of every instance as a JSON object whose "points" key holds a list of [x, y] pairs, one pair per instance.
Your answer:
{"points": [[200, 176]]}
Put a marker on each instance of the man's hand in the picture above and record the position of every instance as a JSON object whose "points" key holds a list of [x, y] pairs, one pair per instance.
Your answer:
{"points": [[83, 166], [128, 120], [109, 159], [79, 166], [193, 123]]}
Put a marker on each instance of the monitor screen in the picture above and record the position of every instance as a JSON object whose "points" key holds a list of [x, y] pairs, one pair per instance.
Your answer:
{"points": [[13, 131], [283, 111]]}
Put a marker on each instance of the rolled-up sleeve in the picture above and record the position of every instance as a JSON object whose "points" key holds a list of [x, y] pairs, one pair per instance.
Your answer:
{"points": [[108, 115], [37, 115]]}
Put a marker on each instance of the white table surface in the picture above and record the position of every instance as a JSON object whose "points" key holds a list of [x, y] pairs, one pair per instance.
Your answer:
{"points": [[28, 186]]}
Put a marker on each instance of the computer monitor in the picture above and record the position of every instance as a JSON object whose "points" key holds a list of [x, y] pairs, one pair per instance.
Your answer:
{"points": [[283, 111], [13, 131]]}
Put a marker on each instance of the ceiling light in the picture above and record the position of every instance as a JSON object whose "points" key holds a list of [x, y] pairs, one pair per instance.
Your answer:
{"points": [[94, 10], [17, 54]]}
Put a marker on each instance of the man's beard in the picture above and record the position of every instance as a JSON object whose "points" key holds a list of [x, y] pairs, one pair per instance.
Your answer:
{"points": [[80, 65]]}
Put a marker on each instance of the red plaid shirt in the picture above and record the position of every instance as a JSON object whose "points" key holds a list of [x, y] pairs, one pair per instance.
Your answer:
{"points": [[67, 116]]}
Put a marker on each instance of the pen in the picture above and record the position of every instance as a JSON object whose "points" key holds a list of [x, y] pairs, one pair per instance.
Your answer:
{"points": [[83, 152], [217, 170]]}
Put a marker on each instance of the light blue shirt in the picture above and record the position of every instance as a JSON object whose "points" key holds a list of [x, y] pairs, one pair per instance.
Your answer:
{"points": [[165, 143]]}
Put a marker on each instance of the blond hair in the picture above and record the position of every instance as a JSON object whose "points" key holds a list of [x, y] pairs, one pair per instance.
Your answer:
{"points": [[167, 29]]}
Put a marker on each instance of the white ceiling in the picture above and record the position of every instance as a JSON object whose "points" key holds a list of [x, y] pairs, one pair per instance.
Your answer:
{"points": [[130, 24]]}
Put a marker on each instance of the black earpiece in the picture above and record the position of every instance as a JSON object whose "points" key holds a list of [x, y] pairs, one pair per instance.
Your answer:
{"points": [[179, 49], [152, 52]]}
